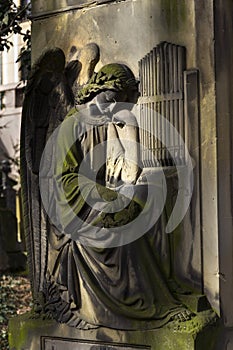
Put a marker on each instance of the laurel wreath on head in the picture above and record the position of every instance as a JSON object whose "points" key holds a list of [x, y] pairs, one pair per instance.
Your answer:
{"points": [[103, 81]]}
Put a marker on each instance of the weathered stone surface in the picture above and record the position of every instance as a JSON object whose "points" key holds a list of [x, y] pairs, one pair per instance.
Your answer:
{"points": [[34, 334], [45, 7], [152, 21]]}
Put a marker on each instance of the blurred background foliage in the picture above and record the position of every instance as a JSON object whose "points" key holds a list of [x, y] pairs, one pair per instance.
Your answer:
{"points": [[11, 18]]}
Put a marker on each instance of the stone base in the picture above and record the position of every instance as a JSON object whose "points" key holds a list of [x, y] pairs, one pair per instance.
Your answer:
{"points": [[37, 334]]}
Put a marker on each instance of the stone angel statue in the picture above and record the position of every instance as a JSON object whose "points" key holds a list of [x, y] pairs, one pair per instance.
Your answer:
{"points": [[90, 262]]}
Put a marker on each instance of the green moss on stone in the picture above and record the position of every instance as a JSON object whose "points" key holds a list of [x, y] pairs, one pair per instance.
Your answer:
{"points": [[175, 13], [25, 333], [21, 326]]}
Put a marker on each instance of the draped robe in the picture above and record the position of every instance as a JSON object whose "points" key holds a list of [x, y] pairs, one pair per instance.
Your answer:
{"points": [[114, 286]]}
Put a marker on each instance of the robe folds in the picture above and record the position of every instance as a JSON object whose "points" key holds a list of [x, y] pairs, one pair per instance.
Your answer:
{"points": [[104, 280]]}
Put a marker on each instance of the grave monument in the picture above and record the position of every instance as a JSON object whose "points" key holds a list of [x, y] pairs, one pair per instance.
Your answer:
{"points": [[94, 160]]}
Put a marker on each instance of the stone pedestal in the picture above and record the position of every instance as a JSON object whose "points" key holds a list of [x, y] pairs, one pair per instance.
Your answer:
{"points": [[37, 334]]}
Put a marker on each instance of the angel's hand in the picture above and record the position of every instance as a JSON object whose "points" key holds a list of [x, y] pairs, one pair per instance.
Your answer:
{"points": [[114, 168]]}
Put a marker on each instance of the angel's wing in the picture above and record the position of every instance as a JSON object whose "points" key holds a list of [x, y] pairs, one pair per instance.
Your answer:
{"points": [[88, 56], [48, 96]]}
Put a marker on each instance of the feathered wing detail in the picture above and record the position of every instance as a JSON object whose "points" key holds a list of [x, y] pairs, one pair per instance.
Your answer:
{"points": [[48, 97], [88, 56]]}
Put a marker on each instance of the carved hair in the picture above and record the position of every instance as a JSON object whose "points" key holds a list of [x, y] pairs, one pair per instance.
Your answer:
{"points": [[113, 76]]}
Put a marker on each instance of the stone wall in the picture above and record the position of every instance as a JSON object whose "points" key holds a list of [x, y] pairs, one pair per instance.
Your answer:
{"points": [[125, 31]]}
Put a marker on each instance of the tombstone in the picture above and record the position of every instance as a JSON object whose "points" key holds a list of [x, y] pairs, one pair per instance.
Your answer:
{"points": [[172, 52]]}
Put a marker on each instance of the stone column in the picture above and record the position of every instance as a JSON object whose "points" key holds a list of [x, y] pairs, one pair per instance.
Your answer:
{"points": [[223, 12]]}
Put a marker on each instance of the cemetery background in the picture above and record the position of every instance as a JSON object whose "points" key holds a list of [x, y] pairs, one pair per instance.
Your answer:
{"points": [[15, 299], [13, 74], [15, 293]]}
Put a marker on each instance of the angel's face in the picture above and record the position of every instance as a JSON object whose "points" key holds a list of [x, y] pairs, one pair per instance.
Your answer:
{"points": [[122, 99], [110, 96]]}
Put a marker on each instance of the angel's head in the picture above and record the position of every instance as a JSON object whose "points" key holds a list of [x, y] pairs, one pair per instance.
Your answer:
{"points": [[114, 82]]}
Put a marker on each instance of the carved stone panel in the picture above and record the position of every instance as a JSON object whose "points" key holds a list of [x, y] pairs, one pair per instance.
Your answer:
{"points": [[162, 105], [41, 7], [71, 344]]}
